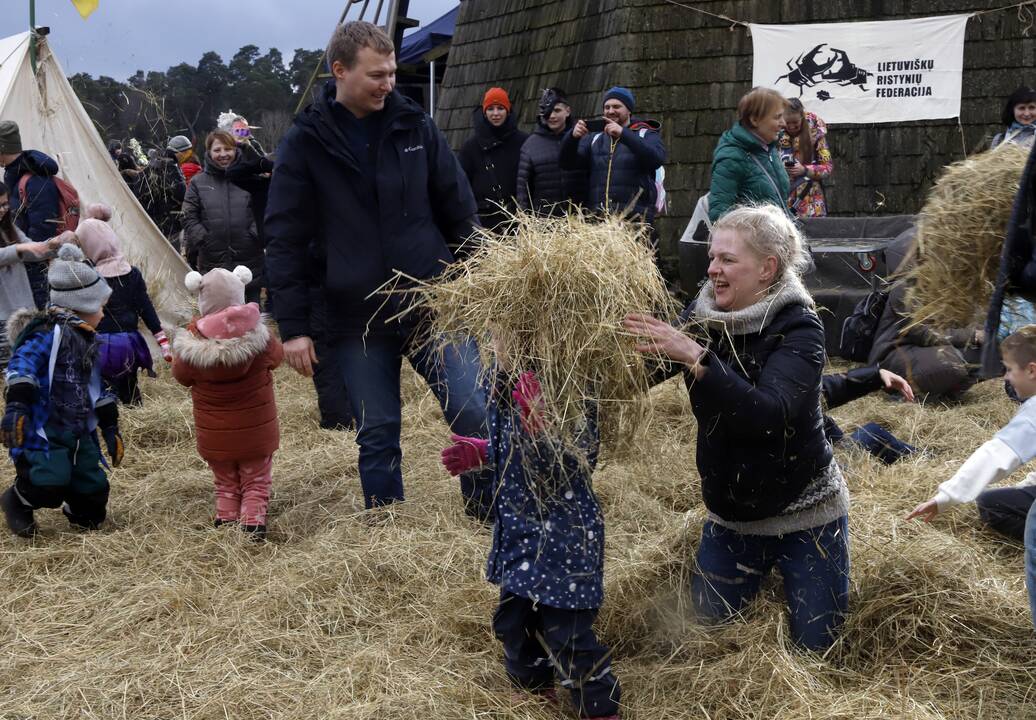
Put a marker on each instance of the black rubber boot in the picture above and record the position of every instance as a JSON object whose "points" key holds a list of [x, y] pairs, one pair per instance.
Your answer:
{"points": [[17, 514], [78, 522], [256, 533]]}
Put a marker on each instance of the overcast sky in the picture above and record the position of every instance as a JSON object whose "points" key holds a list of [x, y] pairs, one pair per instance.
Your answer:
{"points": [[123, 36]]}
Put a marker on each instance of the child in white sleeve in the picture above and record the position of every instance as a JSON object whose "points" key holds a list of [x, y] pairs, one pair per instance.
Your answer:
{"points": [[1010, 448]]}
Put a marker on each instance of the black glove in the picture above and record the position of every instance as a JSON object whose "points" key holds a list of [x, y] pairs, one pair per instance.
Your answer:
{"points": [[20, 398], [108, 423]]}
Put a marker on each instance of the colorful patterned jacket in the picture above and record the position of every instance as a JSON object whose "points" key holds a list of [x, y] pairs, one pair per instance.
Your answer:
{"points": [[806, 196], [55, 351]]}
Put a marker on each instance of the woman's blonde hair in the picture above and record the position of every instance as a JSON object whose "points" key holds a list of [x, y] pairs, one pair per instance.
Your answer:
{"points": [[767, 230], [757, 103]]}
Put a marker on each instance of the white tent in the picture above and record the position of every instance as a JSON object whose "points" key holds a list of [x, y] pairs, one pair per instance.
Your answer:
{"points": [[52, 120]]}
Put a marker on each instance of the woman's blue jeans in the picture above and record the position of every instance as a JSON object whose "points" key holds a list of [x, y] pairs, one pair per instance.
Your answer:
{"points": [[370, 367], [814, 564]]}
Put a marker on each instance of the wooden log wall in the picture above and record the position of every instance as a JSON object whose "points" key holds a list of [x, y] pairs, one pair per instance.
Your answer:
{"points": [[688, 71]]}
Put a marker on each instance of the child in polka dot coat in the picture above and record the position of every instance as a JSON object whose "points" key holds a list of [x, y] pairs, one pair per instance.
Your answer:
{"points": [[548, 550]]}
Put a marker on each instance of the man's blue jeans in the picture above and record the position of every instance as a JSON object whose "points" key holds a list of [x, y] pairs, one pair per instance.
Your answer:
{"points": [[370, 366], [814, 564]]}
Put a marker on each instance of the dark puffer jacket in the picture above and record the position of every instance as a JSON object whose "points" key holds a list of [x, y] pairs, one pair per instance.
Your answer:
{"points": [[542, 185], [218, 221], [490, 160], [250, 171], [760, 427], [621, 174], [404, 217], [1017, 272]]}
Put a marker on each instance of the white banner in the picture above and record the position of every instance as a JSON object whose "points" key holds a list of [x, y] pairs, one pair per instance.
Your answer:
{"points": [[865, 72]]}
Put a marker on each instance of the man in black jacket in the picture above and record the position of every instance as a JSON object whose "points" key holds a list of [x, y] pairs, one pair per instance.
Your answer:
{"points": [[366, 176]]}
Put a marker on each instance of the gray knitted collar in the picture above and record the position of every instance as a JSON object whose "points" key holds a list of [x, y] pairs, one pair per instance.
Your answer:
{"points": [[753, 318]]}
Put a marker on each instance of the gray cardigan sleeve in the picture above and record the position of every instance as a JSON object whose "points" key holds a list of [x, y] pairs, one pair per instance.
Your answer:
{"points": [[9, 256]]}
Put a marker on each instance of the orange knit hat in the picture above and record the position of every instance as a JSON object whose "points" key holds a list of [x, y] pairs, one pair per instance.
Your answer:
{"points": [[496, 96]]}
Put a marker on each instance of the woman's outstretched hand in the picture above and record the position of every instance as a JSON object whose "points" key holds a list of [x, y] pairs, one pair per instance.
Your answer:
{"points": [[657, 337]]}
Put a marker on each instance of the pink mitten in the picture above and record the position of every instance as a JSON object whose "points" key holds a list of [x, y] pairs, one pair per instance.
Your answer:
{"points": [[529, 396], [163, 344], [466, 453]]}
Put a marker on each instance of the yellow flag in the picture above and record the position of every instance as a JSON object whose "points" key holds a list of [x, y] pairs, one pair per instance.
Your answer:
{"points": [[85, 7]]}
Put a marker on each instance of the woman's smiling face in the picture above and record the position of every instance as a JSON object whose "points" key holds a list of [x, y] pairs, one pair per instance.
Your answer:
{"points": [[739, 275]]}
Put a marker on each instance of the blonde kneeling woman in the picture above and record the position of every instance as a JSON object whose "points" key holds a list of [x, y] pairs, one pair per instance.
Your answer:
{"points": [[774, 494]]}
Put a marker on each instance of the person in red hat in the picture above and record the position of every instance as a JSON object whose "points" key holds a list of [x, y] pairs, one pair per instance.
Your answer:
{"points": [[490, 158]]}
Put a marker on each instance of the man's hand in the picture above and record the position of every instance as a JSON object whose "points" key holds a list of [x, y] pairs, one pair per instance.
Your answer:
{"points": [[613, 130], [926, 511], [895, 383], [301, 355], [579, 130]]}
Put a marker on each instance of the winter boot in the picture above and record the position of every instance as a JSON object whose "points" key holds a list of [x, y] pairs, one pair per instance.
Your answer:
{"points": [[256, 533], [17, 514], [79, 522]]}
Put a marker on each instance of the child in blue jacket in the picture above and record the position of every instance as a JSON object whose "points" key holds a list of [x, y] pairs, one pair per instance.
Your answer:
{"points": [[55, 403], [548, 549]]}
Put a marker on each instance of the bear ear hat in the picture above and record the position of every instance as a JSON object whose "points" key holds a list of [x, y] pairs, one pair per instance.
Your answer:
{"points": [[243, 274], [193, 282]]}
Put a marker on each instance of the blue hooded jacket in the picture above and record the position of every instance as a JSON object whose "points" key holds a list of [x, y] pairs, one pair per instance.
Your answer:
{"points": [[36, 213], [618, 173], [36, 219], [404, 218]]}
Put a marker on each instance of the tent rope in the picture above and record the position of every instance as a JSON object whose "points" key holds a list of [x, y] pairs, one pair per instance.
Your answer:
{"points": [[1018, 5]]}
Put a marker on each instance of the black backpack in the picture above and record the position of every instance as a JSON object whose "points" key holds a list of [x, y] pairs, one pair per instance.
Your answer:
{"points": [[861, 326]]}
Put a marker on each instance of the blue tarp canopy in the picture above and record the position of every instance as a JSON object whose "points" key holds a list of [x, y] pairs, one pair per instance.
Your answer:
{"points": [[436, 33]]}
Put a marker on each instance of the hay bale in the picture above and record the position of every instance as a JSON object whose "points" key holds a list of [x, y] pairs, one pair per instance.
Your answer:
{"points": [[160, 615], [551, 294], [960, 233]]}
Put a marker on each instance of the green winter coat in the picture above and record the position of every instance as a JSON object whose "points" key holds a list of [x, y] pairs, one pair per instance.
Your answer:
{"points": [[738, 180]]}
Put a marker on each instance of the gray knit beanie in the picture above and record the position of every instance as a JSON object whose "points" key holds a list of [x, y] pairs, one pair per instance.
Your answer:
{"points": [[74, 284], [10, 138]]}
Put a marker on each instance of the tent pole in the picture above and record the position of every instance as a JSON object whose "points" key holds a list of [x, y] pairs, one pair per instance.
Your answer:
{"points": [[32, 35], [304, 98], [431, 88]]}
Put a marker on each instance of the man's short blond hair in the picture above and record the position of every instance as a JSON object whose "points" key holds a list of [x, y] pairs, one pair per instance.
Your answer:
{"points": [[349, 38]]}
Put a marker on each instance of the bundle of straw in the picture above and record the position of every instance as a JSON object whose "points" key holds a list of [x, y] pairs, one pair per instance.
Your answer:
{"points": [[550, 295], [960, 233]]}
